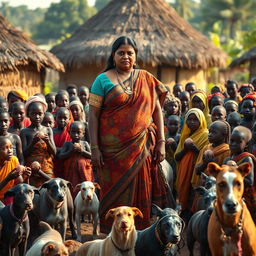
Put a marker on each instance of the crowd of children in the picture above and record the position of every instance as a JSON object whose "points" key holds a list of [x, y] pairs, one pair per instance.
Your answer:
{"points": [[204, 128]]}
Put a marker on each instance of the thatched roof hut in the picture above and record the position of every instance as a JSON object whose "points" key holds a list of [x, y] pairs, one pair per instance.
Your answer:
{"points": [[22, 63], [168, 46], [249, 56]]}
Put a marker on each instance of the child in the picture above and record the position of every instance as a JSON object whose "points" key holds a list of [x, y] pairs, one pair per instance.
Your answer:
{"points": [[232, 90], [77, 110], [172, 106], [248, 110], [199, 100], [37, 140], [177, 89], [231, 106], [216, 99], [19, 120], [3, 104], [239, 140], [245, 89], [62, 99], [9, 175], [83, 94], [218, 113], [50, 100], [14, 138], [194, 137], [76, 157], [215, 89], [190, 88], [72, 90], [48, 120], [219, 135], [16, 95], [234, 119], [184, 98], [252, 142]]}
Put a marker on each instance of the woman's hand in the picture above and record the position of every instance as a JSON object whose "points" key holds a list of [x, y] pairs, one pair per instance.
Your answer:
{"points": [[159, 153], [97, 159]]}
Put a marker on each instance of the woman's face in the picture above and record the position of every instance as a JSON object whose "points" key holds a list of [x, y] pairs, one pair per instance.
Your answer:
{"points": [[124, 57], [193, 123], [197, 103]]}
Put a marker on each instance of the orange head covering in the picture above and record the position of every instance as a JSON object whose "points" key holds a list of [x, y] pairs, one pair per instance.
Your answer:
{"points": [[19, 94]]}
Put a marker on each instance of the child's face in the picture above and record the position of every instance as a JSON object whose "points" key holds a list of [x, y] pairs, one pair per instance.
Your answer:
{"points": [[193, 123], [62, 118], [215, 133], [48, 121], [244, 91], [232, 90], [4, 105], [76, 133], [231, 107], [248, 109], [4, 122], [72, 92], [216, 101], [62, 101], [218, 114], [190, 88], [51, 102], [177, 91], [76, 112], [184, 101], [172, 108], [18, 113], [173, 125], [84, 96], [237, 142], [36, 113], [233, 122], [197, 103], [6, 150]]}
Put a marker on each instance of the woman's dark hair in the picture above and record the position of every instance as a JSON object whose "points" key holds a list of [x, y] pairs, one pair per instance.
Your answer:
{"points": [[120, 41]]}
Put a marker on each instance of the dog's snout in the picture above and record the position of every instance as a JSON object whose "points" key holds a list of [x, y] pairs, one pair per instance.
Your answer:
{"points": [[89, 197], [231, 206], [124, 224], [175, 239], [61, 197]]}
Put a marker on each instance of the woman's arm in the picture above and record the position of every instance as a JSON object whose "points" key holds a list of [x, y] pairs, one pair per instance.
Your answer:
{"points": [[94, 116], [159, 122]]}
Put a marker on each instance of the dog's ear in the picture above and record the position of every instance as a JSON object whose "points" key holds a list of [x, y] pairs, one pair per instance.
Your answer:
{"points": [[213, 169], [78, 186], [69, 185], [244, 168], [110, 213], [136, 212], [203, 176], [96, 185], [156, 210], [201, 190], [36, 191], [46, 184], [11, 192], [48, 248]]}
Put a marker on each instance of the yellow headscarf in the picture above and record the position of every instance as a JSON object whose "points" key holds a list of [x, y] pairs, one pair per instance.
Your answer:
{"points": [[202, 96], [200, 137], [20, 94]]}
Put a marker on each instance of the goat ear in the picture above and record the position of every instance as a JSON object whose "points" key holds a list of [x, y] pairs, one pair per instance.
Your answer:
{"points": [[245, 168], [10, 192], [136, 212], [203, 176], [156, 210], [96, 185], [110, 213], [201, 190], [213, 169]]}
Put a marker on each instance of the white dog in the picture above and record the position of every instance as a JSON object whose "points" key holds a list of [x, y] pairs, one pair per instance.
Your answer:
{"points": [[87, 203]]}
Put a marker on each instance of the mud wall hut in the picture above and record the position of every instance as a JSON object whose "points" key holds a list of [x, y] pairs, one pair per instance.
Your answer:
{"points": [[168, 46], [22, 64]]}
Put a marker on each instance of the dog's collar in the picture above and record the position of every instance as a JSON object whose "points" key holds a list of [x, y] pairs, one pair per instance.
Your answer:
{"points": [[25, 218], [118, 248], [168, 245], [49, 201]]}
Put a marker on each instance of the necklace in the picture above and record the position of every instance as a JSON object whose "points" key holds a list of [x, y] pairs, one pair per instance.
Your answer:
{"points": [[127, 88]]}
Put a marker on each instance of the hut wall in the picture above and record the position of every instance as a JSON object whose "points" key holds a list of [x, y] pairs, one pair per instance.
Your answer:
{"points": [[26, 78]]}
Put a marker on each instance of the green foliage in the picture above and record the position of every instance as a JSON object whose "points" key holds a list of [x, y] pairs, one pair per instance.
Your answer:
{"points": [[99, 4], [63, 18]]}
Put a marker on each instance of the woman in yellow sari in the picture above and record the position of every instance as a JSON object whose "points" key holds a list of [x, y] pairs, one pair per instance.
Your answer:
{"points": [[194, 137]]}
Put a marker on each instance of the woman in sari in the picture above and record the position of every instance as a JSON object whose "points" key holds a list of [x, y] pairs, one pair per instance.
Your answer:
{"points": [[127, 134]]}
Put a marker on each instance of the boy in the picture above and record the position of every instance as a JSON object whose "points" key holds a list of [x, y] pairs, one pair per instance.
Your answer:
{"points": [[48, 120], [218, 113], [50, 99], [177, 89], [190, 87]]}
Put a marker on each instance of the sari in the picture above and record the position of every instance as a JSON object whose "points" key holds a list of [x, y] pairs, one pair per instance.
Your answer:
{"points": [[126, 139], [185, 166], [201, 94], [4, 172], [41, 155]]}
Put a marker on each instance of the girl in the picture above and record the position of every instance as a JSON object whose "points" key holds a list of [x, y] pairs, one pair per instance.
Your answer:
{"points": [[239, 140], [172, 106], [76, 156], [231, 106], [215, 99], [77, 110], [194, 137], [199, 100], [37, 140]]}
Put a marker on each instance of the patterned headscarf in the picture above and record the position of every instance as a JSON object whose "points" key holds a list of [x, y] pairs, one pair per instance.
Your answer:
{"points": [[251, 96], [36, 99]]}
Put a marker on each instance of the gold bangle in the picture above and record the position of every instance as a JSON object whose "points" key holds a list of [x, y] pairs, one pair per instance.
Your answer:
{"points": [[161, 140], [94, 147]]}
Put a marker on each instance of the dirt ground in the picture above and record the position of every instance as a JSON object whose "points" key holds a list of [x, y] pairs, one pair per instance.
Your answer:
{"points": [[86, 231]]}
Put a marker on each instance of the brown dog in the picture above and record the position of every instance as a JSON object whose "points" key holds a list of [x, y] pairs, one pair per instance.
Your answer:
{"points": [[122, 238], [231, 230]]}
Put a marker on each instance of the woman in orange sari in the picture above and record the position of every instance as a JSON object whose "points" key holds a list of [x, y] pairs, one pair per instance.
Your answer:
{"points": [[127, 134]]}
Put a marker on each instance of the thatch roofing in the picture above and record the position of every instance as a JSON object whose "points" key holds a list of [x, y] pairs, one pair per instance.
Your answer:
{"points": [[163, 37], [246, 57], [16, 50]]}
